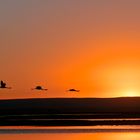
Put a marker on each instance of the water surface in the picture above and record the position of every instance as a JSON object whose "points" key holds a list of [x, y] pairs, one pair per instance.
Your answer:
{"points": [[71, 133]]}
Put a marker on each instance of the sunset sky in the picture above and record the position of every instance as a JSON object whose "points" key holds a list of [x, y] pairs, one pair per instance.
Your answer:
{"points": [[91, 45]]}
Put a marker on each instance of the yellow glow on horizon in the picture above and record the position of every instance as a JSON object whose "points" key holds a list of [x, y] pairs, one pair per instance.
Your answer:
{"points": [[130, 93]]}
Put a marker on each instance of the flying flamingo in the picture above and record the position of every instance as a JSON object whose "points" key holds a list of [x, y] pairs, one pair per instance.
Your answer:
{"points": [[3, 85], [73, 90], [39, 88]]}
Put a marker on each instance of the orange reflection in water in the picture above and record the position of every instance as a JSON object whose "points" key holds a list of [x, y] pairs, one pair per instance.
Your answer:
{"points": [[73, 136]]}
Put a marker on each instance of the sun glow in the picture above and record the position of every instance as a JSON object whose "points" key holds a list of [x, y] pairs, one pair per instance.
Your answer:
{"points": [[130, 93]]}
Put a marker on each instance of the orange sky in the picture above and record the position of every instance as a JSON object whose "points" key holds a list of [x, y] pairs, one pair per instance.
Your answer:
{"points": [[93, 46]]}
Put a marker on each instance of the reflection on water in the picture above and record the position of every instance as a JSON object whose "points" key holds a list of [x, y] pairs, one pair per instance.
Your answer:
{"points": [[71, 133], [84, 129]]}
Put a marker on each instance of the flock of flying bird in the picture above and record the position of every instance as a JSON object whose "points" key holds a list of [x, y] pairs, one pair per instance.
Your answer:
{"points": [[3, 86]]}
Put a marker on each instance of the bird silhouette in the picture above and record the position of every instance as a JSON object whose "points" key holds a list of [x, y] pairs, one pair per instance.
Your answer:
{"points": [[73, 90], [3, 85], [39, 88]]}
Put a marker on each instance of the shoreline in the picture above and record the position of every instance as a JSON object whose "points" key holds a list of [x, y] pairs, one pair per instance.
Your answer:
{"points": [[65, 122]]}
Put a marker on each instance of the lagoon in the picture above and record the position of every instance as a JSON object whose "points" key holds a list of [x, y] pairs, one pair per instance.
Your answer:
{"points": [[70, 133]]}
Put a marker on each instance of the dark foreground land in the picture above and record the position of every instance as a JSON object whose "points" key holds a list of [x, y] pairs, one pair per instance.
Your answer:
{"points": [[70, 111]]}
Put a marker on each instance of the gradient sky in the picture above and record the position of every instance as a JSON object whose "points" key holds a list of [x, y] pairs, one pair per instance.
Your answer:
{"points": [[91, 45]]}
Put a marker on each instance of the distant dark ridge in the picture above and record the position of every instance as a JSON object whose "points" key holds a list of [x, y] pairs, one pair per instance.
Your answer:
{"points": [[70, 105]]}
